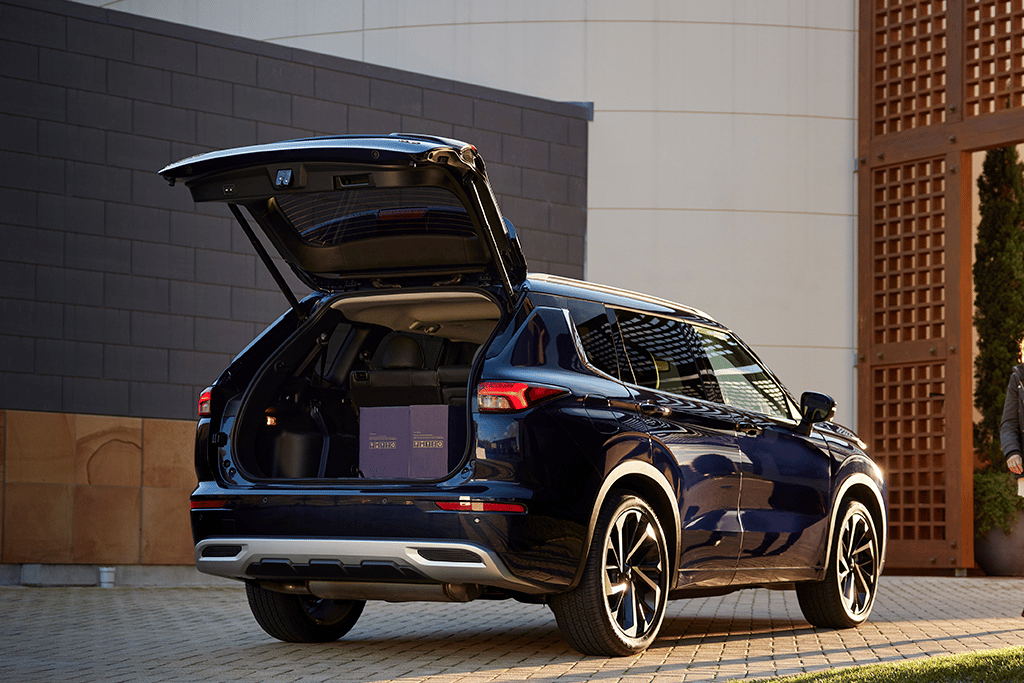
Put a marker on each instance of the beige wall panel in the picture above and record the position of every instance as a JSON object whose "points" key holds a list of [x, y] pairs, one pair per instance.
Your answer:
{"points": [[108, 451], [37, 523], [166, 536], [40, 447], [106, 525], [168, 454]]}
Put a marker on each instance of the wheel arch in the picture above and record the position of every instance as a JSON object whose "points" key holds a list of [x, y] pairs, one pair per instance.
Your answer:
{"points": [[862, 488], [650, 484]]}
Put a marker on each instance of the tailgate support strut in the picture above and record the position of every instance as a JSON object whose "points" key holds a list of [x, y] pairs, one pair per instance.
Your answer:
{"points": [[492, 242], [267, 261]]}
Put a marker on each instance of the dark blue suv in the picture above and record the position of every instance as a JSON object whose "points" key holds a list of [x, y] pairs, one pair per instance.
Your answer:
{"points": [[433, 423]]}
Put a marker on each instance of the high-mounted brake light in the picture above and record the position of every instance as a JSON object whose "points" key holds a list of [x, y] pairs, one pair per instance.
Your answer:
{"points": [[503, 397], [205, 399], [401, 214], [473, 506]]}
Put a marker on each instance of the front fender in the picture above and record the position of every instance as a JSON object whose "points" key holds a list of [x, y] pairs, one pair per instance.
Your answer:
{"points": [[860, 478]]}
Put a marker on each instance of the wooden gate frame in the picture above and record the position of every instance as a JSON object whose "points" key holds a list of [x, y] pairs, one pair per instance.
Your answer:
{"points": [[938, 80]]}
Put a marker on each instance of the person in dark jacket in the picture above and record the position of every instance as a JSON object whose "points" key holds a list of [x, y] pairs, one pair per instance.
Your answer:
{"points": [[1013, 419], [1010, 426]]}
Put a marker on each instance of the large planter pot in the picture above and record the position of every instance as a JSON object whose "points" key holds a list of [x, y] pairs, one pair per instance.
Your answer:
{"points": [[999, 554]]}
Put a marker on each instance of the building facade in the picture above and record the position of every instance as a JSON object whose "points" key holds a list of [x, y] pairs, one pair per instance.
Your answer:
{"points": [[120, 299], [720, 166]]}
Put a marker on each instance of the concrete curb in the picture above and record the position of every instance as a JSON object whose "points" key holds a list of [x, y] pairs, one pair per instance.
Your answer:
{"points": [[127, 575]]}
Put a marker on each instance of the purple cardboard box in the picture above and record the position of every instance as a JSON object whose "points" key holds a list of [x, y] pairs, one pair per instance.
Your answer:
{"points": [[384, 442], [428, 427], [402, 442]]}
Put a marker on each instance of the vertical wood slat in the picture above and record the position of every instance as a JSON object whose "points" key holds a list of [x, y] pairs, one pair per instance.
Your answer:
{"points": [[959, 312], [960, 362]]}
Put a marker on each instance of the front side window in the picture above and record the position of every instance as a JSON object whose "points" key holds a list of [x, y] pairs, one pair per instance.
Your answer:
{"points": [[743, 382], [662, 352]]}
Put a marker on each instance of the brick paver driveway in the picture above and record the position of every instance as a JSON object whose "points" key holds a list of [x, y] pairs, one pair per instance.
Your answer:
{"points": [[207, 634]]}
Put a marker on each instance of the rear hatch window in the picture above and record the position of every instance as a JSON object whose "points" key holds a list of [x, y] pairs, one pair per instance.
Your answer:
{"points": [[340, 218]]}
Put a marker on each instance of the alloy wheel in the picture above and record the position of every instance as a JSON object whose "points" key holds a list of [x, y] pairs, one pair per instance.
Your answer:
{"points": [[635, 575], [857, 564]]}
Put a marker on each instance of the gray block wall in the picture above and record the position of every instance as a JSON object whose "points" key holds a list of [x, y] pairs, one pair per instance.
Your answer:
{"points": [[118, 296]]}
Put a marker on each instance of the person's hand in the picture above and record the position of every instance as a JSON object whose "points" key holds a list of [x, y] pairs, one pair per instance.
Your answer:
{"points": [[1015, 464]]}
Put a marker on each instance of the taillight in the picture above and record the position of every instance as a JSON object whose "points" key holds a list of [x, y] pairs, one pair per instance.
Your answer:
{"points": [[475, 506], [207, 504], [205, 399], [503, 397]]}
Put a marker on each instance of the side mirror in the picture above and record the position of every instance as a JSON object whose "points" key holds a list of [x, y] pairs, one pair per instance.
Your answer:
{"points": [[815, 407]]}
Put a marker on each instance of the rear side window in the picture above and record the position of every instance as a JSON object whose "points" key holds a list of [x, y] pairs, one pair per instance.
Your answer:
{"points": [[664, 353], [743, 382], [348, 215], [595, 332]]}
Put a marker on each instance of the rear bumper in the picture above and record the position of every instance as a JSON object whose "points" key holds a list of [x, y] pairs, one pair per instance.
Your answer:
{"points": [[377, 569]]}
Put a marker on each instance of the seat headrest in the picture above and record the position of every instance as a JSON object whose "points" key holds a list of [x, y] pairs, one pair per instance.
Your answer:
{"points": [[402, 352]]}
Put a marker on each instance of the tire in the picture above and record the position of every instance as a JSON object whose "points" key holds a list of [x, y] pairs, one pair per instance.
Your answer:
{"points": [[845, 597], [619, 604], [302, 618]]}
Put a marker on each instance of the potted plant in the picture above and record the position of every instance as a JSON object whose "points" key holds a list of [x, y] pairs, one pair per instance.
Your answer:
{"points": [[998, 529]]}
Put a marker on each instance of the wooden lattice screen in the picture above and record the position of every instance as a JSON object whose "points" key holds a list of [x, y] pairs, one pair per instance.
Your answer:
{"points": [[909, 248], [938, 81], [908, 400], [994, 56], [910, 64], [906, 332]]}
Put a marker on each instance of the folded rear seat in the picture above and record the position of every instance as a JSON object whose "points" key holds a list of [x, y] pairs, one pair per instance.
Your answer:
{"points": [[401, 380]]}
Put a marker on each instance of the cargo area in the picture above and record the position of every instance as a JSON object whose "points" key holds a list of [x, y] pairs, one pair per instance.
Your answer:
{"points": [[371, 387]]}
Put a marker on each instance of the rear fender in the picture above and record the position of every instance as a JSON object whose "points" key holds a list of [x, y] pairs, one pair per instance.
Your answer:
{"points": [[647, 481]]}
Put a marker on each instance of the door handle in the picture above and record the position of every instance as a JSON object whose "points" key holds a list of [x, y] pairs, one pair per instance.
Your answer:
{"points": [[654, 410]]}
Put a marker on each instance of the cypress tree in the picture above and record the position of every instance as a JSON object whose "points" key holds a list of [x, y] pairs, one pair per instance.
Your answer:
{"points": [[999, 292]]}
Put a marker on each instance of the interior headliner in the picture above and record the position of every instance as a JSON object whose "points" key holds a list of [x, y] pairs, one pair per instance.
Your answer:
{"points": [[458, 316]]}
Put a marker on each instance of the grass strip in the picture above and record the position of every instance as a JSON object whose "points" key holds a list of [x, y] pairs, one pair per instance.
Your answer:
{"points": [[992, 666]]}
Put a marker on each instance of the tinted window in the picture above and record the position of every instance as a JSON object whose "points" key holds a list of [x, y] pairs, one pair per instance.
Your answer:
{"points": [[595, 331], [430, 346], [743, 382], [663, 353], [333, 218]]}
